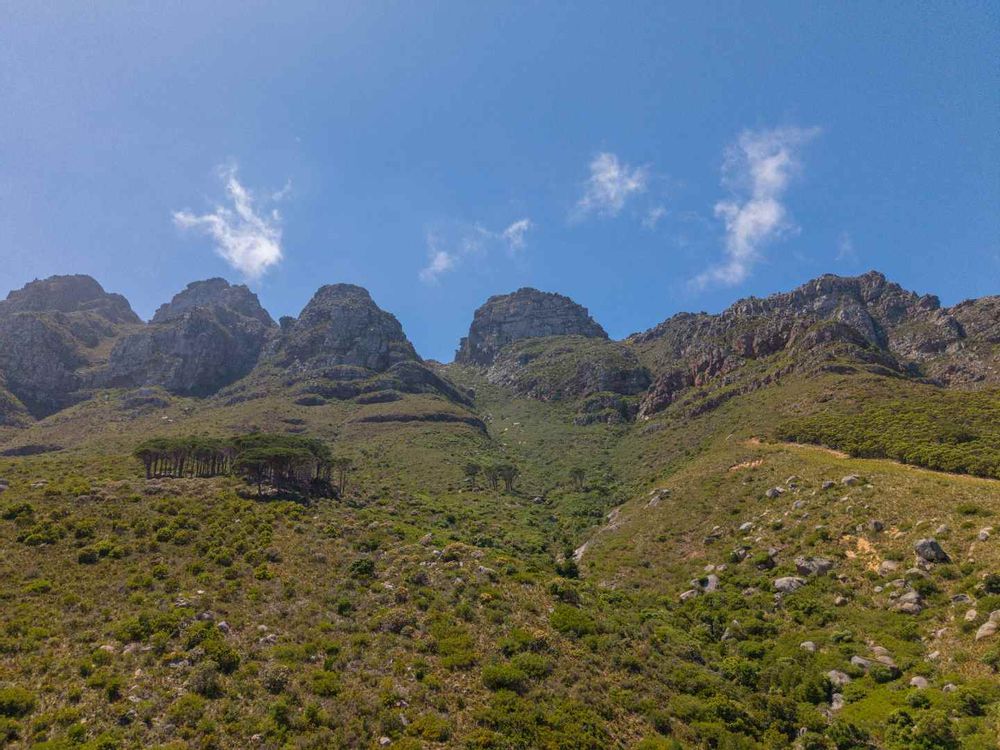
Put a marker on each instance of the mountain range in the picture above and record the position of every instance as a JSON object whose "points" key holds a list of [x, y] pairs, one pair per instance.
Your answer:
{"points": [[772, 527]]}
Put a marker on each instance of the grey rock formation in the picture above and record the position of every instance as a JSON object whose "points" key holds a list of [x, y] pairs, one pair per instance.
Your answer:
{"points": [[205, 338], [50, 332], [866, 319], [929, 550], [340, 326], [813, 566], [526, 313], [788, 584]]}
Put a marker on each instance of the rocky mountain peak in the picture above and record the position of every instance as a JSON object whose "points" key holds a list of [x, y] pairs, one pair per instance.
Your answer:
{"points": [[526, 313], [76, 293], [209, 335], [214, 292], [342, 325]]}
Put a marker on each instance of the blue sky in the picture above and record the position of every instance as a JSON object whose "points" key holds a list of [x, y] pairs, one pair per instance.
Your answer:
{"points": [[643, 158]]}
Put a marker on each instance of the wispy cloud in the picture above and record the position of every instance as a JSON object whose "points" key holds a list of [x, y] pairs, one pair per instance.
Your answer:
{"points": [[610, 185], [246, 238], [449, 247], [846, 252], [514, 234], [757, 170], [653, 216]]}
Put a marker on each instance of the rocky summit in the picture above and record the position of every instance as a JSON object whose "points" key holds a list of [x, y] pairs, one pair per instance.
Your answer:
{"points": [[208, 336], [524, 314], [769, 528]]}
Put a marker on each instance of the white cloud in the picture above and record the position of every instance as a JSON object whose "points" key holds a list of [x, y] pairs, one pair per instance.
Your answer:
{"points": [[449, 247], [757, 170], [610, 185], [653, 216], [846, 252], [440, 261], [514, 234], [248, 240]]}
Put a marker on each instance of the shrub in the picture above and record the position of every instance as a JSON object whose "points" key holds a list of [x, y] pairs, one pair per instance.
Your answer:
{"points": [[187, 710], [504, 677], [572, 621], [324, 683], [16, 702]]}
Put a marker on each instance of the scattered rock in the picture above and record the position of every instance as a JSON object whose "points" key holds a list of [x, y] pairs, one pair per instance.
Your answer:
{"points": [[990, 627], [836, 701], [887, 566], [929, 550], [813, 566], [984, 534], [808, 646], [840, 601], [861, 662], [941, 530], [875, 526], [838, 678], [711, 583], [949, 688], [774, 492], [788, 584], [851, 480], [971, 615], [961, 599], [910, 603], [745, 527], [689, 594], [828, 485], [920, 683]]}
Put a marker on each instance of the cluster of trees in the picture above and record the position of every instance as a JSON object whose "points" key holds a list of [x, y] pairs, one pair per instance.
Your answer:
{"points": [[494, 474], [283, 461], [959, 435]]}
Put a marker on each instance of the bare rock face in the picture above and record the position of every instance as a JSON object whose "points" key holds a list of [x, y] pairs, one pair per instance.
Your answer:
{"points": [[342, 326], [865, 319], [344, 346], [206, 337], [51, 331], [524, 314]]}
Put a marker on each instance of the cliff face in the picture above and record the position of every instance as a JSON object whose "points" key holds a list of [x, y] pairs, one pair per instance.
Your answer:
{"points": [[51, 331], [63, 337], [524, 314], [865, 318], [208, 336], [342, 325]]}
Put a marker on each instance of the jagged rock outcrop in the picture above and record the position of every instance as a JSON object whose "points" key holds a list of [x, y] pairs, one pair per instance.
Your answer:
{"points": [[344, 346], [524, 314], [51, 332], [865, 320], [341, 326], [208, 336]]}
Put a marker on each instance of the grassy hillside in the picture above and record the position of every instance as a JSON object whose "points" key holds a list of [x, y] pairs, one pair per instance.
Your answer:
{"points": [[423, 610]]}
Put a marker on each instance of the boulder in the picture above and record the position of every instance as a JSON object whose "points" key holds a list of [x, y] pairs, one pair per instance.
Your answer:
{"points": [[930, 551], [813, 566], [910, 603], [788, 584], [887, 566], [838, 678], [920, 683], [851, 480]]}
